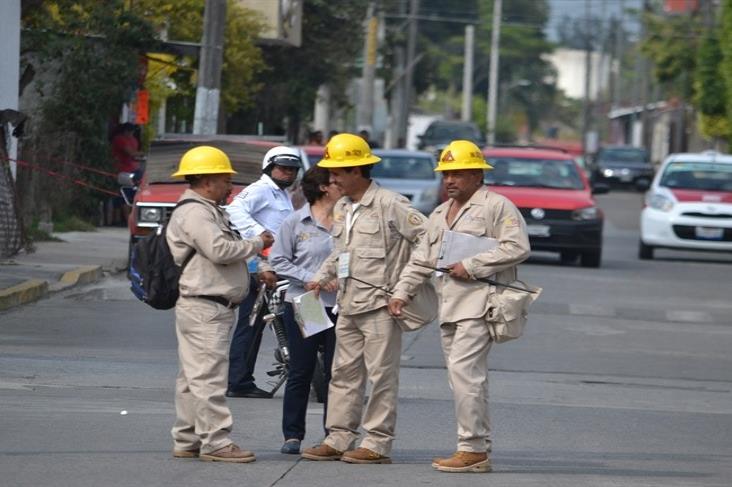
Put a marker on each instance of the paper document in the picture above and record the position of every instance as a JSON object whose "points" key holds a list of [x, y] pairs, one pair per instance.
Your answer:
{"points": [[457, 246], [310, 314]]}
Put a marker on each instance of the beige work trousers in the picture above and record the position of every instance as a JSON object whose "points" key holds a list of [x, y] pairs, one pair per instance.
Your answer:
{"points": [[203, 420], [465, 345], [368, 346]]}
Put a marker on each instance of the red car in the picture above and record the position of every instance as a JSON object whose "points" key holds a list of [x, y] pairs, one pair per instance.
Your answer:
{"points": [[555, 198]]}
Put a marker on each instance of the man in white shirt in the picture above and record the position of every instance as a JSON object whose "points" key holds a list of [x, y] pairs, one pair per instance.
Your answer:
{"points": [[261, 206]]}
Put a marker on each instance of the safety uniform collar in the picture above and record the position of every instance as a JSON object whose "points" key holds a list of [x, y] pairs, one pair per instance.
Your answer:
{"points": [[190, 194], [368, 196], [478, 198]]}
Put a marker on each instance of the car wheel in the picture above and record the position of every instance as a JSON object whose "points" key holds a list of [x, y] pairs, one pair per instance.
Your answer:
{"points": [[591, 258], [567, 257], [645, 252]]}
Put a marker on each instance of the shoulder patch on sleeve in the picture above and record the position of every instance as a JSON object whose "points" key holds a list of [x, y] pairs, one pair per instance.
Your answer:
{"points": [[415, 219], [510, 222]]}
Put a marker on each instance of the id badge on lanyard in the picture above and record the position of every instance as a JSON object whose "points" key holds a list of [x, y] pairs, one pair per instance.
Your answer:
{"points": [[344, 261]]}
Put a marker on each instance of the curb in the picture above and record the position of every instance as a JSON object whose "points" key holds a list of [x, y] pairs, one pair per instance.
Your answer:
{"points": [[26, 292], [35, 289]]}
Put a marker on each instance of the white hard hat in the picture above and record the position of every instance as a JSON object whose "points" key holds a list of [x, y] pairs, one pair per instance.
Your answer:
{"points": [[282, 156]]}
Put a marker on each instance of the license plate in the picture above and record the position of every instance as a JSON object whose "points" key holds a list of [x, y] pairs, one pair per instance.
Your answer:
{"points": [[626, 177], [709, 233], [538, 230]]}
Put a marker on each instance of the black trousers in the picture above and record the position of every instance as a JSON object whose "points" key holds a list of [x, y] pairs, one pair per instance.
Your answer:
{"points": [[303, 356], [245, 344]]}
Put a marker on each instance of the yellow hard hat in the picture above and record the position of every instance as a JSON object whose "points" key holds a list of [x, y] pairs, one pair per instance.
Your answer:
{"points": [[462, 154], [204, 159], [347, 150]]}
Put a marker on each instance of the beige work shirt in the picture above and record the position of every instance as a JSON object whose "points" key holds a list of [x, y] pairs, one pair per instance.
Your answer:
{"points": [[218, 268], [383, 231], [486, 214]]}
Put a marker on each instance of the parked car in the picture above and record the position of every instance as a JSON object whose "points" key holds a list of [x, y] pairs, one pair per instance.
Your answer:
{"points": [[409, 173], [689, 205], [441, 132], [555, 198], [623, 165], [158, 193]]}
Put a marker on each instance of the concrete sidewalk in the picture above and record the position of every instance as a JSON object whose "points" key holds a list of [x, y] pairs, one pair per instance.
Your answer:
{"points": [[80, 258]]}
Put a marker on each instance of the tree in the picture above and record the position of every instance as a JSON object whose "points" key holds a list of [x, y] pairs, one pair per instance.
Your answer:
{"points": [[710, 94], [86, 56]]}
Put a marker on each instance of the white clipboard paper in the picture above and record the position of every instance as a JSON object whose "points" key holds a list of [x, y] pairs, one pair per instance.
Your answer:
{"points": [[310, 314], [457, 246]]}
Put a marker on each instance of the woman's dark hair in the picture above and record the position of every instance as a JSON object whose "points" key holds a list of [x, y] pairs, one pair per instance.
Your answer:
{"points": [[311, 181]]}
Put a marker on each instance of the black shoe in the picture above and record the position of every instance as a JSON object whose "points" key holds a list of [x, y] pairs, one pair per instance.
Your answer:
{"points": [[291, 447], [254, 392]]}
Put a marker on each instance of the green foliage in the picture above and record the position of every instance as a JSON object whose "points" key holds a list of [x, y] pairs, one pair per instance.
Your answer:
{"points": [[710, 95], [90, 51], [671, 42], [726, 49], [332, 39]]}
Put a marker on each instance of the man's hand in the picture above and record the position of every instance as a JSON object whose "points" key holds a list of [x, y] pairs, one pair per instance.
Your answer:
{"points": [[331, 286], [395, 306], [313, 286], [269, 278], [457, 271], [267, 238]]}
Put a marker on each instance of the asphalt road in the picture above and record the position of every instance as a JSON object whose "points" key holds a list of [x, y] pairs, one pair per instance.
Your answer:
{"points": [[623, 378]]}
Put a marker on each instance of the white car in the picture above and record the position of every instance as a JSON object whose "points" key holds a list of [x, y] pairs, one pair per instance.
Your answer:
{"points": [[689, 205]]}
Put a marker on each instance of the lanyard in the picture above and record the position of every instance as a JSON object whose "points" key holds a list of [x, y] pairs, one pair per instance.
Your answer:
{"points": [[351, 216]]}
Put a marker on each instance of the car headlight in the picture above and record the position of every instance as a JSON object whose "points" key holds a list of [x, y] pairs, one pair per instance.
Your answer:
{"points": [[607, 173], [150, 215], [589, 213], [660, 202]]}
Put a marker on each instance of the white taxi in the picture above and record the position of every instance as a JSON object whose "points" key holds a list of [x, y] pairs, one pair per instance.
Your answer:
{"points": [[689, 205]]}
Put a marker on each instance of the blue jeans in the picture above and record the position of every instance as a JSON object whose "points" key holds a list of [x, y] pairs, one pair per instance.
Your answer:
{"points": [[245, 344], [303, 356]]}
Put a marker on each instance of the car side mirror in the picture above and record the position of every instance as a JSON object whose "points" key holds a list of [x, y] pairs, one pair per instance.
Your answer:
{"points": [[600, 188]]}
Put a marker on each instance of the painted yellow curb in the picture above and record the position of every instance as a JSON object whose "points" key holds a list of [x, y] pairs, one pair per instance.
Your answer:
{"points": [[81, 275], [25, 292]]}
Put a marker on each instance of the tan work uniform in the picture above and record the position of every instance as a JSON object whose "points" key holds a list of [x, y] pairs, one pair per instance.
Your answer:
{"points": [[378, 238], [218, 268], [464, 303]]}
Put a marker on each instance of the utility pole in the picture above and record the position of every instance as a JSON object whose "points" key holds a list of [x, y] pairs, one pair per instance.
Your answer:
{"points": [[586, 112], [493, 74], [366, 110], [409, 71], [208, 92], [467, 112]]}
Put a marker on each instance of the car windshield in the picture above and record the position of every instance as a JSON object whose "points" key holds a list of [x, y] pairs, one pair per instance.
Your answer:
{"points": [[622, 155], [535, 173], [404, 167], [706, 176]]}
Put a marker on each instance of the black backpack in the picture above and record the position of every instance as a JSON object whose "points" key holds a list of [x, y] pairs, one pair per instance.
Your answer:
{"points": [[153, 273]]}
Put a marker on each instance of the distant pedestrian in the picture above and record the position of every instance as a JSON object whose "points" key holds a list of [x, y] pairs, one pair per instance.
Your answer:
{"points": [[465, 302], [303, 242], [213, 283]]}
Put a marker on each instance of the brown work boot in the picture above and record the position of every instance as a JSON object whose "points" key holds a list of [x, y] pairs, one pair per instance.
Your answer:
{"points": [[321, 453], [186, 453], [230, 453], [464, 461], [364, 455]]}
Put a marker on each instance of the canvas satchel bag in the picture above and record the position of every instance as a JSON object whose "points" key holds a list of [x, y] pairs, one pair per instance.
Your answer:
{"points": [[421, 310], [508, 313]]}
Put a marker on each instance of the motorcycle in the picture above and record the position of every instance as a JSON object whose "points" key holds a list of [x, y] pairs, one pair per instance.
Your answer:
{"points": [[268, 311]]}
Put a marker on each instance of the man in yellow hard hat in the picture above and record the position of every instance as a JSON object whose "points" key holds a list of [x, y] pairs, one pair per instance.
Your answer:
{"points": [[374, 231], [465, 302], [213, 281]]}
